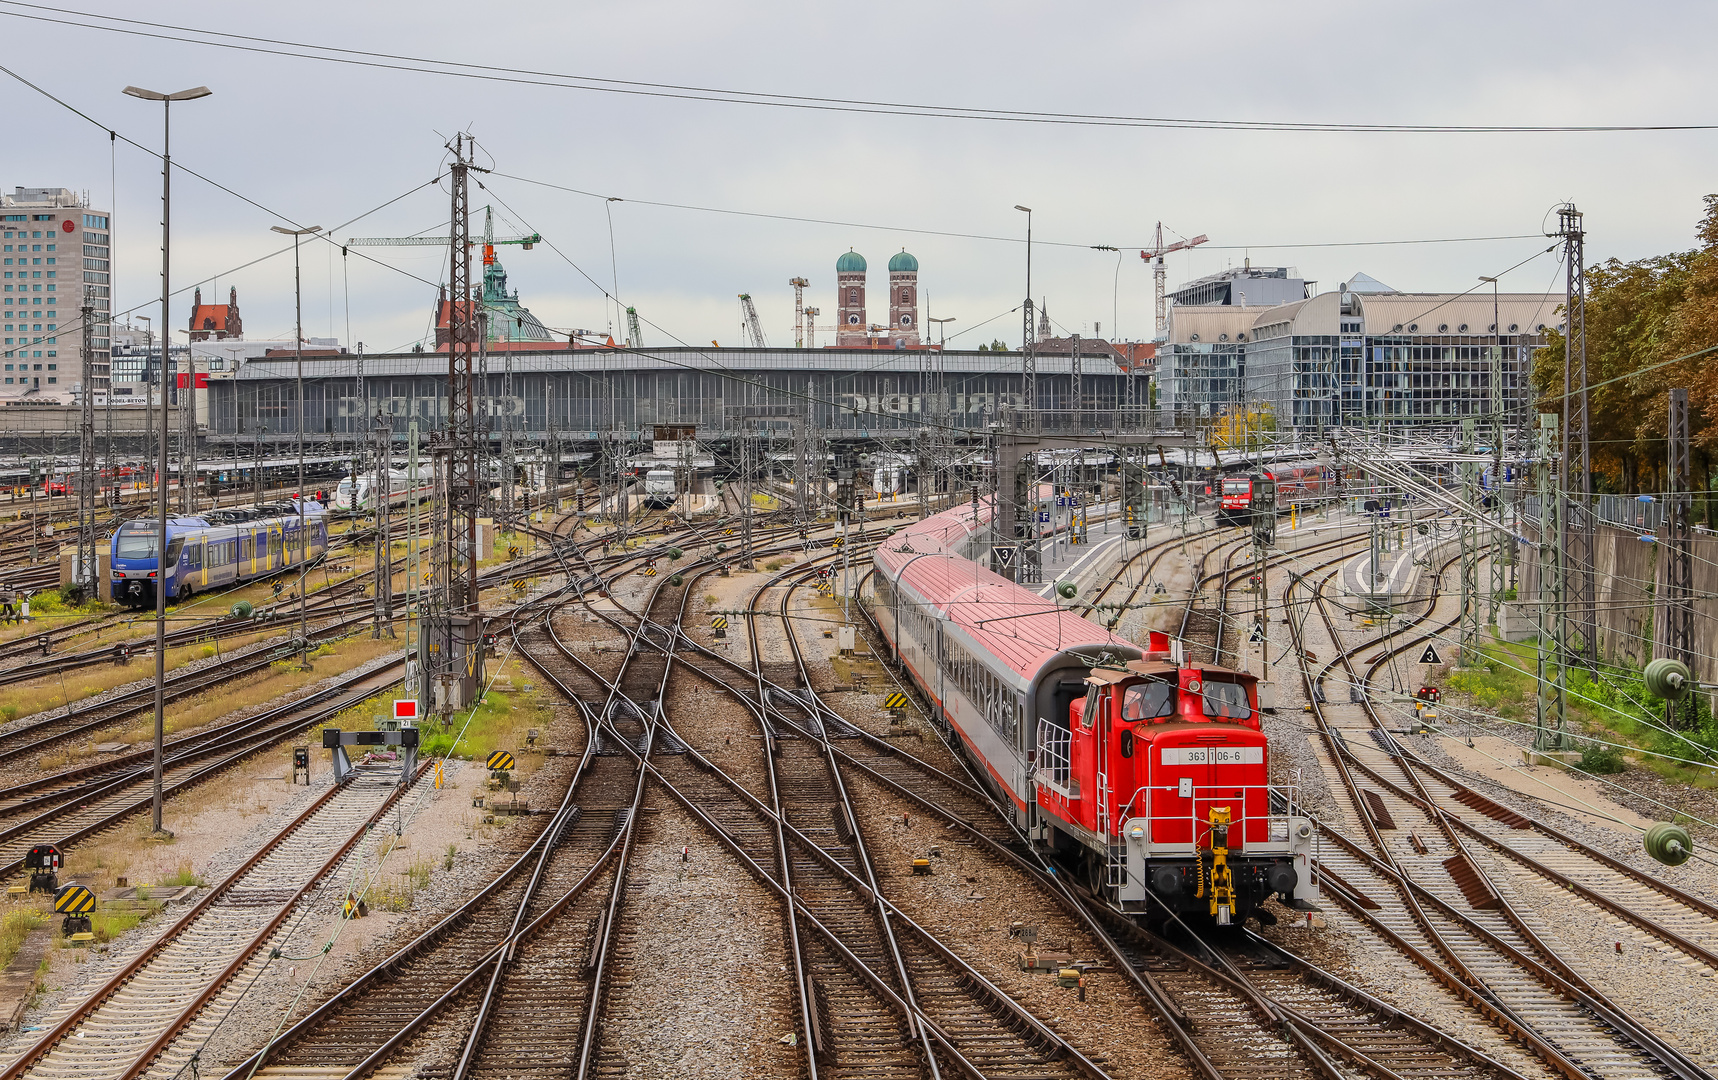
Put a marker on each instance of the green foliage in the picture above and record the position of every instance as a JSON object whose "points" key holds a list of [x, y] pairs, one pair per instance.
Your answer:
{"points": [[1602, 759]]}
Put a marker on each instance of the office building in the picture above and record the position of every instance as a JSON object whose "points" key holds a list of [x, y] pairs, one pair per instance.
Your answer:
{"points": [[55, 249]]}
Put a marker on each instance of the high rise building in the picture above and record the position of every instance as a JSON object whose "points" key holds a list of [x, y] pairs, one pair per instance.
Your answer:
{"points": [[53, 246]]}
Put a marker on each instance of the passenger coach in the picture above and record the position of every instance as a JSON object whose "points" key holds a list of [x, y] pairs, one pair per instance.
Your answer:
{"points": [[220, 548], [1146, 777]]}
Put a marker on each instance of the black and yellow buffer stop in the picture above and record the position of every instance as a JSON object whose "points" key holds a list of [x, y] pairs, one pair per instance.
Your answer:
{"points": [[718, 622], [897, 700], [501, 759], [74, 900]]}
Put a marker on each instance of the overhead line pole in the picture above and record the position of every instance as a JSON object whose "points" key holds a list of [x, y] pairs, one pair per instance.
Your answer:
{"points": [[1581, 632]]}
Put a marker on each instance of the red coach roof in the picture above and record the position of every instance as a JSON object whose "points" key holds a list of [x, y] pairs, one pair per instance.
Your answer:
{"points": [[1019, 627]]}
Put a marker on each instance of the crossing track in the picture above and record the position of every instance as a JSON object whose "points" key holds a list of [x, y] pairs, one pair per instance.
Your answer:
{"points": [[1646, 899], [1422, 890], [523, 966], [130, 1026], [1228, 1018]]}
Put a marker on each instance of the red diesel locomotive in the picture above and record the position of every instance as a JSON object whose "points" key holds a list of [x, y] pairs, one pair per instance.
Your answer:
{"points": [[1147, 777]]}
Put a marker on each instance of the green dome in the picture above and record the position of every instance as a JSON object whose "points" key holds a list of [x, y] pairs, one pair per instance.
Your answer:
{"points": [[903, 264], [850, 263]]}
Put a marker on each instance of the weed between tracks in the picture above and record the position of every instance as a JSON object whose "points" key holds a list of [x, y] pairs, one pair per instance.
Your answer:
{"points": [[276, 680], [16, 926]]}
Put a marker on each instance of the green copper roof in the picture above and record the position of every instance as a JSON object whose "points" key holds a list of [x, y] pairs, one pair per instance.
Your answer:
{"points": [[903, 264], [851, 262]]}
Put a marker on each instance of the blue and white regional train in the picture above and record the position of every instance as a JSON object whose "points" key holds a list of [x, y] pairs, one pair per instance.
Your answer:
{"points": [[222, 547]]}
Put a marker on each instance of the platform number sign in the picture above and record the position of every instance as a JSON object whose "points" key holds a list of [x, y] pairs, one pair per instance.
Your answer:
{"points": [[406, 710], [1430, 656]]}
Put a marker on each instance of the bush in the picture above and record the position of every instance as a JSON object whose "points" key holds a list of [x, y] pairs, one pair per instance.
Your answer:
{"points": [[1600, 759]]}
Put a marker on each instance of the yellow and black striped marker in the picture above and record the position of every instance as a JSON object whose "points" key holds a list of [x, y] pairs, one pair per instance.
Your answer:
{"points": [[896, 700], [501, 759], [74, 900], [650, 571], [718, 622]]}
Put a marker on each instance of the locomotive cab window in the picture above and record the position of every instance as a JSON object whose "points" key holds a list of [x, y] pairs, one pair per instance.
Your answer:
{"points": [[1225, 699], [1237, 487], [1148, 701]]}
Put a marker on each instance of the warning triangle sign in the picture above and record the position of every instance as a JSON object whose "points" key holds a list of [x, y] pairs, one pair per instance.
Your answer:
{"points": [[1005, 555], [1258, 633], [1430, 656]]}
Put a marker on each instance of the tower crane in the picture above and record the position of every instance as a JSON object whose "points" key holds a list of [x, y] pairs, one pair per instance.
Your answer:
{"points": [[1155, 258], [799, 285], [811, 327], [633, 332], [490, 242], [749, 317]]}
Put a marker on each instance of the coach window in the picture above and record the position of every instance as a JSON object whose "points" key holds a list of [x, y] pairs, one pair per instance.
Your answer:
{"points": [[174, 547]]}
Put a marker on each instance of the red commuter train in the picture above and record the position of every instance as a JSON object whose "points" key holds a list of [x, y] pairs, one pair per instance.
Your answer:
{"points": [[1273, 490], [1148, 778]]}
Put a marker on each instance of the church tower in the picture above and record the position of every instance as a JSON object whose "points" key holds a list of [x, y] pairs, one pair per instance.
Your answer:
{"points": [[904, 301], [850, 301]]}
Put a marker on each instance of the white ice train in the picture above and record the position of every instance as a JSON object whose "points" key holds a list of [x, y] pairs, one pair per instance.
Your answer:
{"points": [[660, 489], [360, 495]]}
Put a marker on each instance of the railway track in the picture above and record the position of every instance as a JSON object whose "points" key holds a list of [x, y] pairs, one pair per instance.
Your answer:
{"points": [[131, 1025], [1423, 890]]}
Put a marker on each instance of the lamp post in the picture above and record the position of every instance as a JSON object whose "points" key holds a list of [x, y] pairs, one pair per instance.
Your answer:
{"points": [[161, 569], [298, 347]]}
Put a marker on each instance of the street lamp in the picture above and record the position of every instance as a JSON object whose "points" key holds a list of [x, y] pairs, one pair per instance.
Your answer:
{"points": [[1028, 353], [298, 347], [166, 101]]}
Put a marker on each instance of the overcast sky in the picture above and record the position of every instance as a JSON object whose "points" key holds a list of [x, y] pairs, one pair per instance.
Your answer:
{"points": [[322, 143]]}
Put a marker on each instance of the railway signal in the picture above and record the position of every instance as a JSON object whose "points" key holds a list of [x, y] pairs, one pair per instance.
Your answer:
{"points": [[75, 902], [44, 862]]}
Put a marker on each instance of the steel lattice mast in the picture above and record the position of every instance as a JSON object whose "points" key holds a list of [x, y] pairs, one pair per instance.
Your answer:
{"points": [[86, 459], [452, 656], [1580, 630]]}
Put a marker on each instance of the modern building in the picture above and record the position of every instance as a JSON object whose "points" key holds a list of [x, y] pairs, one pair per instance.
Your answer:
{"points": [[1245, 285], [1347, 357], [1202, 363], [55, 251]]}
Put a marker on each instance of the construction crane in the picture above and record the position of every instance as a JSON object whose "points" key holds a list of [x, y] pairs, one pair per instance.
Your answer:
{"points": [[811, 327], [1155, 258], [749, 322], [489, 239], [633, 332], [799, 285]]}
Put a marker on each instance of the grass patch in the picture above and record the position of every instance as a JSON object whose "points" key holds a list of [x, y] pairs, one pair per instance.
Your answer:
{"points": [[15, 927], [500, 722], [1610, 705], [110, 920]]}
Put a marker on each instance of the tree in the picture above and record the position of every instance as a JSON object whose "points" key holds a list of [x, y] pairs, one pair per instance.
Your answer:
{"points": [[1244, 427]]}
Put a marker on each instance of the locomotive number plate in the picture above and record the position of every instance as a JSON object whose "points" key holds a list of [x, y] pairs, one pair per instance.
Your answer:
{"points": [[1214, 755]]}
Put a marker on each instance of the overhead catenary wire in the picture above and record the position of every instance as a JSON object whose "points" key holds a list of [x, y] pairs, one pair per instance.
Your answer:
{"points": [[772, 99]]}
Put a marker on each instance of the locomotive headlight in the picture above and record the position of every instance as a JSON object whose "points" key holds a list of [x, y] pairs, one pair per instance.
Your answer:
{"points": [[1137, 832], [1193, 686]]}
